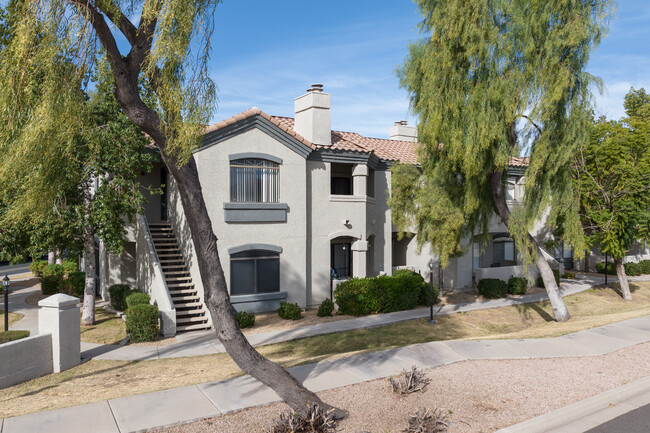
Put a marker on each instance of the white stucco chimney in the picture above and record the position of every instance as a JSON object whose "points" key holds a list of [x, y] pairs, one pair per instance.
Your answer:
{"points": [[401, 131], [313, 120]]}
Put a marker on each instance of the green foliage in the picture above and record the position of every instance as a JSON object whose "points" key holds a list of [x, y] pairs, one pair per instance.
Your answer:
{"points": [[51, 284], [245, 320], [569, 275], [326, 308], [613, 171], [517, 285], [481, 71], [290, 311], [54, 270], [69, 266], [74, 284], [7, 336], [492, 288], [118, 293], [556, 274], [37, 266], [384, 294], [611, 268], [137, 298], [142, 322]]}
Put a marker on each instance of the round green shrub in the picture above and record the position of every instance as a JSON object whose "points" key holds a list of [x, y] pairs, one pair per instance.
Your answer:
{"points": [[326, 308], [137, 298], [54, 271], [540, 281], [611, 269], [117, 294], [492, 288], [36, 267], [74, 285], [69, 266], [517, 285], [142, 322], [51, 284], [352, 296], [569, 276], [290, 311], [245, 320]]}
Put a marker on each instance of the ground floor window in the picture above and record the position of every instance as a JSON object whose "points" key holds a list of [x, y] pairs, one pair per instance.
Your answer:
{"points": [[254, 271], [341, 260]]}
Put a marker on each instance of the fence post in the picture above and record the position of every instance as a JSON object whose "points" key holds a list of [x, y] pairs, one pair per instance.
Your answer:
{"points": [[59, 315]]}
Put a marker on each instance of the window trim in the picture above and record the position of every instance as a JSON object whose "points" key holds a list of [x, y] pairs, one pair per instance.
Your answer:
{"points": [[273, 254]]}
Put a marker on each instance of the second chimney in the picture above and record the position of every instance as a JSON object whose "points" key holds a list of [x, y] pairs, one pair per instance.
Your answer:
{"points": [[401, 131], [313, 120]]}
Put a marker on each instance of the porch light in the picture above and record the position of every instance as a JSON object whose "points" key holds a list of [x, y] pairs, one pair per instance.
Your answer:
{"points": [[5, 286], [431, 320]]}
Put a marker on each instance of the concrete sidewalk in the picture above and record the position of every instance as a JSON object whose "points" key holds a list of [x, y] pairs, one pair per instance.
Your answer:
{"points": [[180, 405]]}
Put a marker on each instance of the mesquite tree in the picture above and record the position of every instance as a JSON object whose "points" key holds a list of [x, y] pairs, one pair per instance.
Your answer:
{"points": [[492, 80], [167, 47], [613, 173]]}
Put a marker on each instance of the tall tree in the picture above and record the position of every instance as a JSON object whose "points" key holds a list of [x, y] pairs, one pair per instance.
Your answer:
{"points": [[613, 172], [169, 49], [493, 79]]}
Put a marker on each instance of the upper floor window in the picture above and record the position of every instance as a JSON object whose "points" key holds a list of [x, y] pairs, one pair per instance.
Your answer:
{"points": [[254, 180], [341, 180]]}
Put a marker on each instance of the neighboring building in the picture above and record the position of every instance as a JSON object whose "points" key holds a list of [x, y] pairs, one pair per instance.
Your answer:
{"points": [[292, 203]]}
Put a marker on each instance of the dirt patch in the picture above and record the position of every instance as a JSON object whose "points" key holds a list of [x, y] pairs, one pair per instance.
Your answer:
{"points": [[478, 396], [268, 322]]}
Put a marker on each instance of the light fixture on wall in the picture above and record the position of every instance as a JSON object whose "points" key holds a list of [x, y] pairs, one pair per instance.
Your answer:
{"points": [[346, 222]]}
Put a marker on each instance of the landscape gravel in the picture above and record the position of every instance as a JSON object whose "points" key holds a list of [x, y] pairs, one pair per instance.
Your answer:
{"points": [[479, 396]]}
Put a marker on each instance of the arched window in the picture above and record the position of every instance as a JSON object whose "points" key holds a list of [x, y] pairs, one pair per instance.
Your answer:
{"points": [[254, 271], [254, 180]]}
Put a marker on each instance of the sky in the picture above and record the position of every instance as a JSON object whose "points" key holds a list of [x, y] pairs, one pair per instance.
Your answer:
{"points": [[265, 54]]}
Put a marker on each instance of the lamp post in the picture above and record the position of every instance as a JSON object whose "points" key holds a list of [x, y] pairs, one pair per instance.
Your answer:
{"points": [[5, 286], [431, 292], [606, 268]]}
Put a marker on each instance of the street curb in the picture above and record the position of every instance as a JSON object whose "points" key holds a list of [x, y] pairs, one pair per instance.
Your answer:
{"points": [[580, 409]]}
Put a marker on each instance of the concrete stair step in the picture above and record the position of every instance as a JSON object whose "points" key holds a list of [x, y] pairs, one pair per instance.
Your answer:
{"points": [[191, 319], [190, 313], [170, 254], [175, 273], [180, 285], [197, 327], [187, 304], [178, 278], [182, 292], [178, 299]]}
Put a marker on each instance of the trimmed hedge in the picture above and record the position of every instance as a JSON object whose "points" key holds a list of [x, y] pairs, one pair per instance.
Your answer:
{"points": [[54, 271], [74, 285], [404, 290], [245, 320], [137, 298], [611, 268], [142, 322], [492, 288], [118, 293], [636, 269], [36, 267], [517, 285], [325, 308], [556, 274], [69, 266], [289, 311], [50, 284]]}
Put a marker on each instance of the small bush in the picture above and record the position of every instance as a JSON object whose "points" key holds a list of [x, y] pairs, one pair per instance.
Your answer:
{"points": [[245, 320], [316, 421], [142, 322], [74, 285], [51, 284], [54, 271], [636, 269], [326, 308], [517, 285], [611, 269], [569, 276], [117, 294], [137, 298], [409, 381], [289, 311], [424, 421], [645, 267], [540, 282], [352, 296], [36, 267], [492, 288], [69, 266]]}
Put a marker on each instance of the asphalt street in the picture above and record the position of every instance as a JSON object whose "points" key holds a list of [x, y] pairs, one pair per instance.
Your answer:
{"points": [[20, 268], [635, 421]]}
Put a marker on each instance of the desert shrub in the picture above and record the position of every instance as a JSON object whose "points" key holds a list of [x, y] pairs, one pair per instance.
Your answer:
{"points": [[69, 266], [517, 285], [492, 288], [569, 275], [142, 322], [74, 284], [289, 311], [137, 298], [36, 267], [245, 320], [556, 274], [409, 381], [425, 421], [316, 421], [351, 296], [118, 293], [54, 271], [325, 308], [611, 269], [51, 284]]}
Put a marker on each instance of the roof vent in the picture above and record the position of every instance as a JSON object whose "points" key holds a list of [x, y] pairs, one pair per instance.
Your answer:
{"points": [[402, 122], [315, 88]]}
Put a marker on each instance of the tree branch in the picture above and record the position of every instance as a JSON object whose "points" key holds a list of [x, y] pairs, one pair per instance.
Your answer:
{"points": [[141, 47], [531, 122], [113, 12]]}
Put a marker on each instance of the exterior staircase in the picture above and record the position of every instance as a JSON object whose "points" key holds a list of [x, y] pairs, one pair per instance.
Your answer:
{"points": [[191, 314]]}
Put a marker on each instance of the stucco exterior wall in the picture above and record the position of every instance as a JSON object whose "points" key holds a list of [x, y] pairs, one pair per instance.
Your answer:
{"points": [[25, 359]]}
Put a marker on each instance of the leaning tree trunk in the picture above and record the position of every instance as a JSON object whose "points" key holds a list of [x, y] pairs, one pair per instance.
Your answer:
{"points": [[622, 279], [218, 301], [88, 311], [560, 311]]}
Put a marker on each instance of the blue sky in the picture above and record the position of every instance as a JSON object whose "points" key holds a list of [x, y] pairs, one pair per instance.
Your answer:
{"points": [[267, 53]]}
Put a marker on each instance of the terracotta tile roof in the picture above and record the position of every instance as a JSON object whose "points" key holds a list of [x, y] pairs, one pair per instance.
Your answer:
{"points": [[384, 149], [517, 161]]}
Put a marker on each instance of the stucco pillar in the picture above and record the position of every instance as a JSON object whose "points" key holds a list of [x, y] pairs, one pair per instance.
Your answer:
{"points": [[360, 180], [359, 265], [59, 316]]}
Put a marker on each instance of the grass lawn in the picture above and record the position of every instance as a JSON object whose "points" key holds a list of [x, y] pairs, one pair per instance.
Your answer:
{"points": [[108, 329], [111, 379], [8, 336]]}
